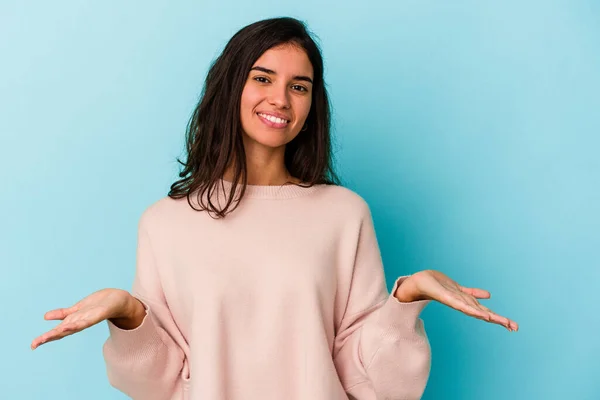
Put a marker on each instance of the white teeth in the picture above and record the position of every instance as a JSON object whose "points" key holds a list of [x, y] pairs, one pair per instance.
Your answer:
{"points": [[273, 119]]}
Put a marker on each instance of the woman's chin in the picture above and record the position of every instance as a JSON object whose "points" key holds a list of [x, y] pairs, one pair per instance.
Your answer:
{"points": [[269, 139]]}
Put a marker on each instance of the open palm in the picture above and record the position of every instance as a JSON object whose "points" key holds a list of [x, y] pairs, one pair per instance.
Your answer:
{"points": [[434, 285], [98, 306]]}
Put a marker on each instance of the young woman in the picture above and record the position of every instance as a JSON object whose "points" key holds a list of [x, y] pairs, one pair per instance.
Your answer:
{"points": [[260, 276]]}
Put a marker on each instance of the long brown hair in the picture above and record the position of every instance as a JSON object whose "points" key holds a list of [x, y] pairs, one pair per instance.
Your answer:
{"points": [[214, 132]]}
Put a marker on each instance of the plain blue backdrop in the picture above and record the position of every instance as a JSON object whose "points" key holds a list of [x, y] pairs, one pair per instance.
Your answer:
{"points": [[470, 127]]}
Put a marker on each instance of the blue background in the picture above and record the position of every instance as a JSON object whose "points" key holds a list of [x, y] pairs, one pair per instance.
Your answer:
{"points": [[470, 127]]}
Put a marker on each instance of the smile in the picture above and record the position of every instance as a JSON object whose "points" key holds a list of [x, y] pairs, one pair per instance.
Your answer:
{"points": [[272, 121]]}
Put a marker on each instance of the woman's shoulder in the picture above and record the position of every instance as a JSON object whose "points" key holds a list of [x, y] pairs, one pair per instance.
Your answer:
{"points": [[345, 199], [163, 209]]}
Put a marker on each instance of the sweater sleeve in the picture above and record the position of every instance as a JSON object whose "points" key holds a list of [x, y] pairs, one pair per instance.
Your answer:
{"points": [[381, 350], [148, 362]]}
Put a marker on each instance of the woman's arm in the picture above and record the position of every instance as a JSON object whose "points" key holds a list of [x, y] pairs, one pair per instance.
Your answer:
{"points": [[380, 349], [144, 356]]}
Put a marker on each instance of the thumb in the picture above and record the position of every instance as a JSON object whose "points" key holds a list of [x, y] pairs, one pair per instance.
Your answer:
{"points": [[60, 313], [476, 292]]}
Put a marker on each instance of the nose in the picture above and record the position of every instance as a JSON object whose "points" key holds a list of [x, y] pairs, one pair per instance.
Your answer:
{"points": [[278, 96]]}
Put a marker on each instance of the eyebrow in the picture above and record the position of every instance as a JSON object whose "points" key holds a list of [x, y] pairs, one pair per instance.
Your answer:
{"points": [[271, 72]]}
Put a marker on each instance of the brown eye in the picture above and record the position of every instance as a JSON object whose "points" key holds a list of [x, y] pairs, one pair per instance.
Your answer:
{"points": [[261, 79], [300, 88]]}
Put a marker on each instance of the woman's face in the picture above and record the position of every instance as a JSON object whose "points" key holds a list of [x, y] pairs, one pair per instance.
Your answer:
{"points": [[277, 96]]}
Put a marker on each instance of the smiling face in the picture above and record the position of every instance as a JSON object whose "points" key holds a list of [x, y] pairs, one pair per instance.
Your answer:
{"points": [[277, 97]]}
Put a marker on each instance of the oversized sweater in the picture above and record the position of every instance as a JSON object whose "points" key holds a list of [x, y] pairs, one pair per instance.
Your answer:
{"points": [[283, 299]]}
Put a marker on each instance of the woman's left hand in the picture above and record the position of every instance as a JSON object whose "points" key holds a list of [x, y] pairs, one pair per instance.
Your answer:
{"points": [[434, 285]]}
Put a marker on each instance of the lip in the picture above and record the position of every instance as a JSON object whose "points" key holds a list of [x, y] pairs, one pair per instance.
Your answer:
{"points": [[274, 114], [272, 124]]}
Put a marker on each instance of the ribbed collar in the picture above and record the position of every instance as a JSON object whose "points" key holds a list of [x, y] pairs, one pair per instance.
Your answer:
{"points": [[286, 191]]}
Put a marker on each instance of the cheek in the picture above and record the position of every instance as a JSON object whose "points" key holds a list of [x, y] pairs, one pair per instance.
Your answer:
{"points": [[304, 109], [250, 99]]}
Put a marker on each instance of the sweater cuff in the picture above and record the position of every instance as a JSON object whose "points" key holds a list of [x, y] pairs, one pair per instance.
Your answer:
{"points": [[396, 316], [145, 336]]}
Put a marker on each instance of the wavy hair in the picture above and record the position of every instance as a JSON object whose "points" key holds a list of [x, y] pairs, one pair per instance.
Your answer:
{"points": [[214, 139]]}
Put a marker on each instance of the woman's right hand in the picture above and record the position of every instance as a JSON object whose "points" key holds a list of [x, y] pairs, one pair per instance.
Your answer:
{"points": [[118, 305]]}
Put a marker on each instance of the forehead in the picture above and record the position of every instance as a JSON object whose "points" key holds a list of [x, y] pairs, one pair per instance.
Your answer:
{"points": [[286, 60]]}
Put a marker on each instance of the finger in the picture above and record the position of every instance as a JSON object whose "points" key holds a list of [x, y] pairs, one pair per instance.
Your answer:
{"points": [[500, 320], [38, 341], [59, 313], [469, 306], [57, 333], [509, 324], [461, 304], [474, 309], [50, 336], [472, 301], [46, 337], [495, 318], [481, 314], [469, 299], [475, 292]]}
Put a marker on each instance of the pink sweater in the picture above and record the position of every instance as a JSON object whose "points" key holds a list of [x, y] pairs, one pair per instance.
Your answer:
{"points": [[284, 299]]}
